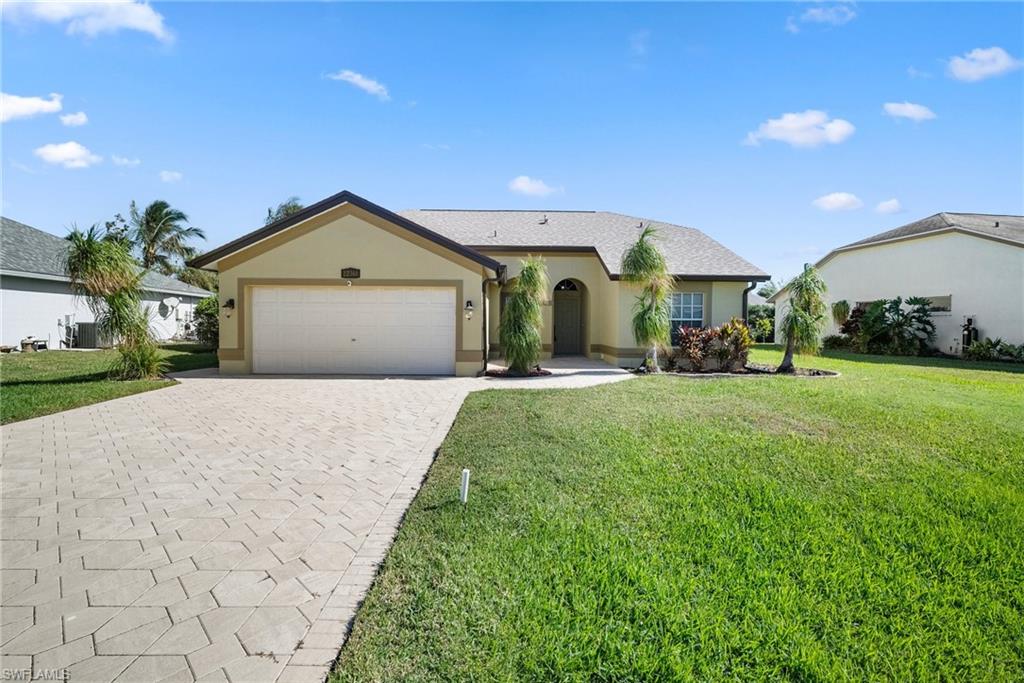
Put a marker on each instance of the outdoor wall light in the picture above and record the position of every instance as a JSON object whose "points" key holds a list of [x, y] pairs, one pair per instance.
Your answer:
{"points": [[468, 310], [228, 307]]}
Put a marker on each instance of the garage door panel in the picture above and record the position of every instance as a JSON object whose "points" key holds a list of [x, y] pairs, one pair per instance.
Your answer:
{"points": [[353, 330]]}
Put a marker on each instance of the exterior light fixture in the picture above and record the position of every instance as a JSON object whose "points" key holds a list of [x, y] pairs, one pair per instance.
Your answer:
{"points": [[228, 307], [468, 310]]}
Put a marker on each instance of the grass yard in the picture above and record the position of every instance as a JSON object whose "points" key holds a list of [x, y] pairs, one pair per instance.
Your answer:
{"points": [[869, 526], [34, 384]]}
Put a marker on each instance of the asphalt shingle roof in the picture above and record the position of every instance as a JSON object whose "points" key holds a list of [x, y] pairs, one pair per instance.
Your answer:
{"points": [[25, 249], [1003, 227], [689, 251]]}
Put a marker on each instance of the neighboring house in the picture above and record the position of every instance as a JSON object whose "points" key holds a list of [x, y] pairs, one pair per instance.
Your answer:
{"points": [[346, 286], [970, 265], [36, 298]]}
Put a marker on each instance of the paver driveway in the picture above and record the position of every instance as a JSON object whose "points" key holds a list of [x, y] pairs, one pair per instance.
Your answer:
{"points": [[221, 529]]}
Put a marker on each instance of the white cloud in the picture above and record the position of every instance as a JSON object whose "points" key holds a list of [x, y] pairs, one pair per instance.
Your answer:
{"points": [[76, 119], [368, 85], [640, 43], [124, 161], [838, 201], [830, 15], [441, 147], [810, 128], [914, 72], [982, 63], [68, 155], [171, 176], [908, 110], [533, 187], [17, 107], [889, 206], [91, 19]]}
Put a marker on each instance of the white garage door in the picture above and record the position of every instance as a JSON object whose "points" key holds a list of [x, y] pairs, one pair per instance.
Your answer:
{"points": [[353, 330]]}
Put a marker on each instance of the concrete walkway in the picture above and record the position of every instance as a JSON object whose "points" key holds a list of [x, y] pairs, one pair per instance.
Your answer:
{"points": [[221, 529]]}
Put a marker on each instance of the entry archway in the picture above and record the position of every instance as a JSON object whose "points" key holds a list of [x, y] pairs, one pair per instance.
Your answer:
{"points": [[569, 316]]}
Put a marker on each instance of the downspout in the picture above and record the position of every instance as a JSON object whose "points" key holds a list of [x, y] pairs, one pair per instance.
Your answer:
{"points": [[745, 292], [484, 304]]}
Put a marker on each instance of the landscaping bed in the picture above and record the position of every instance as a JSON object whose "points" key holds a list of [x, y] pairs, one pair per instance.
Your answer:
{"points": [[44, 382], [866, 528]]}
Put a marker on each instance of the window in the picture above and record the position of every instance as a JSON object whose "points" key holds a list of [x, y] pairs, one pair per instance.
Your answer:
{"points": [[686, 309], [940, 304]]}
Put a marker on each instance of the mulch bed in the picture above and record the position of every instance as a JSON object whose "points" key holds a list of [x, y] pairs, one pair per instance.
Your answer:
{"points": [[536, 372], [751, 370]]}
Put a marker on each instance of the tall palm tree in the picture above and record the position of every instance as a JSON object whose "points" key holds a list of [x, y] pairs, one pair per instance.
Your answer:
{"points": [[161, 236], [288, 207], [644, 264], [804, 317]]}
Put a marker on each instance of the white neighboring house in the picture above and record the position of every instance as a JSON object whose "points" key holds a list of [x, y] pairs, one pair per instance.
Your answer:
{"points": [[970, 265], [36, 298]]}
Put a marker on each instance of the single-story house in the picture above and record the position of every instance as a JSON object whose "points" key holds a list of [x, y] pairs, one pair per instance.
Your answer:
{"points": [[36, 299], [348, 287], [970, 265]]}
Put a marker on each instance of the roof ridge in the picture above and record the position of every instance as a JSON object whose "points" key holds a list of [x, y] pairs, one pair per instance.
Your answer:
{"points": [[510, 210]]}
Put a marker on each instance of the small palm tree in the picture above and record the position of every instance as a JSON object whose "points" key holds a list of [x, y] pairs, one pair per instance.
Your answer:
{"points": [[804, 317], [644, 264], [101, 268], [841, 312], [522, 317], [161, 236], [288, 207]]}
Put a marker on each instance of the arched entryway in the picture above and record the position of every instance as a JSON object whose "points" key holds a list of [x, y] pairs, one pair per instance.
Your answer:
{"points": [[569, 303]]}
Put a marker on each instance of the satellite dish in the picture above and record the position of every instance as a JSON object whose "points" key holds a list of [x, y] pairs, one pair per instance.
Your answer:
{"points": [[171, 302]]}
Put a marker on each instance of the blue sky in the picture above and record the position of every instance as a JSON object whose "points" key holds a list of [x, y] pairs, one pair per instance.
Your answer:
{"points": [[673, 112]]}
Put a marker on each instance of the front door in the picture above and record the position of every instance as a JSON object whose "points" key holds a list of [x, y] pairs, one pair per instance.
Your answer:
{"points": [[567, 322]]}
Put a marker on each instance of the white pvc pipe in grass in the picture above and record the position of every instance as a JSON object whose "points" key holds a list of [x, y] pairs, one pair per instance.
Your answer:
{"points": [[464, 489]]}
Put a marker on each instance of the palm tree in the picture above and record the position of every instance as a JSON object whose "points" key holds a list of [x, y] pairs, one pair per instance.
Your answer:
{"points": [[288, 207], [804, 317], [522, 317], [161, 236], [644, 264], [101, 268]]}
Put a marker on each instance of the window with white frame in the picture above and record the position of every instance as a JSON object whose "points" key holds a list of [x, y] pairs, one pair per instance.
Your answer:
{"points": [[686, 309]]}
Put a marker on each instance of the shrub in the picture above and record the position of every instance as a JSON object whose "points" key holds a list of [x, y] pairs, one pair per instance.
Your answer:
{"points": [[735, 337], [995, 350], [836, 342], [694, 345], [892, 326], [140, 360], [522, 317], [761, 320], [207, 316]]}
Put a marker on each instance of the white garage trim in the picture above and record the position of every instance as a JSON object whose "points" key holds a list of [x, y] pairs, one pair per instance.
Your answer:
{"points": [[353, 330]]}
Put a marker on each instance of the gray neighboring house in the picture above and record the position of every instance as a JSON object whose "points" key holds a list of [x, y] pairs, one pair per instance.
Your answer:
{"points": [[36, 298]]}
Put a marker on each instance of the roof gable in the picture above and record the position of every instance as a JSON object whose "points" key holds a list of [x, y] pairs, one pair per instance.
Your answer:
{"points": [[30, 251], [344, 197]]}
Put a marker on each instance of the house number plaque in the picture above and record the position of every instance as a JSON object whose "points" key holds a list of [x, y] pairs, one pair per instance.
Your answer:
{"points": [[350, 273]]}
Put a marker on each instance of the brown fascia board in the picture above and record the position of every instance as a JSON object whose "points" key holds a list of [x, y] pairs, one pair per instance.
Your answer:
{"points": [[327, 204], [611, 276]]}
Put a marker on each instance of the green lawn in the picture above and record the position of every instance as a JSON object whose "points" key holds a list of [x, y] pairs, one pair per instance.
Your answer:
{"points": [[34, 384], [869, 526]]}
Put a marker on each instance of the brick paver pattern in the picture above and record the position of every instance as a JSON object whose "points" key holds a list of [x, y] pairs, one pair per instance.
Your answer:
{"points": [[224, 529]]}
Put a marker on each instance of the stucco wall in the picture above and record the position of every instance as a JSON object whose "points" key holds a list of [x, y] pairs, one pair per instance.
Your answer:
{"points": [[33, 307], [609, 303], [347, 237], [985, 279]]}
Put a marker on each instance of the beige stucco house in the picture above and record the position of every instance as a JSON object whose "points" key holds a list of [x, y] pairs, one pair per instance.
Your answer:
{"points": [[348, 287], [970, 265]]}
